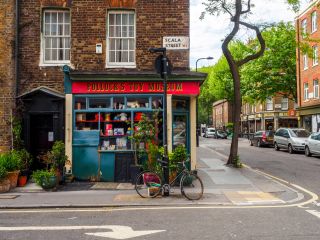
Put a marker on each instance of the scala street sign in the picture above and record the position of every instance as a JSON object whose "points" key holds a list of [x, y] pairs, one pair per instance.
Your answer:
{"points": [[176, 43], [117, 231]]}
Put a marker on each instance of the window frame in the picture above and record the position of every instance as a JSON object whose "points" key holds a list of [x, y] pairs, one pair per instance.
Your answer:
{"points": [[315, 59], [121, 64], [316, 88], [305, 91], [42, 61], [269, 102], [314, 21], [284, 103], [304, 25], [305, 62]]}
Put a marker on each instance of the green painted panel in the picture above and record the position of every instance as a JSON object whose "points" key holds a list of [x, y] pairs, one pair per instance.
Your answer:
{"points": [[85, 162], [107, 166]]}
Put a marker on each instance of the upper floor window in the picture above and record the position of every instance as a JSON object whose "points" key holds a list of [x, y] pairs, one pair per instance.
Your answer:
{"points": [[305, 61], [284, 103], [316, 88], [56, 37], [304, 28], [314, 21], [305, 91], [269, 103], [315, 55], [121, 38]]}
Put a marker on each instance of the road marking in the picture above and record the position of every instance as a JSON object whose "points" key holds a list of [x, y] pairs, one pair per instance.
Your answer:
{"points": [[117, 231], [314, 213]]}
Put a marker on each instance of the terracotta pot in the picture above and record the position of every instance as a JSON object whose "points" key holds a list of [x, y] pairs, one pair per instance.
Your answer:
{"points": [[22, 181], [13, 178], [4, 185]]}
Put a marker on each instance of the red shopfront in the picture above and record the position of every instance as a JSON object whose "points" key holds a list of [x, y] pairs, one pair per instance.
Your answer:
{"points": [[104, 114]]}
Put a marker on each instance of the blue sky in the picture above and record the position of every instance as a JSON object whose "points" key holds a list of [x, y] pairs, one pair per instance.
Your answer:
{"points": [[206, 36]]}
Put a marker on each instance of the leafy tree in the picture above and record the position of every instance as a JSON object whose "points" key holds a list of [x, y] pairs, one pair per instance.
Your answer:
{"points": [[237, 9]]}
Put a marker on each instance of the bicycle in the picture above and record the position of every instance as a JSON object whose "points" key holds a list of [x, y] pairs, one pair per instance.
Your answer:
{"points": [[149, 184]]}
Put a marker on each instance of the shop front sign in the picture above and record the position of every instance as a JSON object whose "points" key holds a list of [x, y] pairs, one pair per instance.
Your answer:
{"points": [[108, 87], [292, 113]]}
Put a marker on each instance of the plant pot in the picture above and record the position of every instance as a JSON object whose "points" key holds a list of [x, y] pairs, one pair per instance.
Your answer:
{"points": [[4, 185], [13, 178], [48, 183], [22, 181]]}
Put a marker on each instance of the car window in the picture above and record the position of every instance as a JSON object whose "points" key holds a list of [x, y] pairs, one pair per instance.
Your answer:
{"points": [[279, 132], [269, 133], [313, 136], [299, 133], [317, 136]]}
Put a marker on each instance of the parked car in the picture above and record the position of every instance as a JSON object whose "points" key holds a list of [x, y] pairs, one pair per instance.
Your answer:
{"points": [[210, 132], [262, 138], [313, 144], [292, 139], [221, 134]]}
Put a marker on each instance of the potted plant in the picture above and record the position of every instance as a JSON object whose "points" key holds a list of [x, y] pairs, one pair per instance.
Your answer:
{"points": [[178, 155], [11, 161], [26, 161], [45, 178], [4, 181]]}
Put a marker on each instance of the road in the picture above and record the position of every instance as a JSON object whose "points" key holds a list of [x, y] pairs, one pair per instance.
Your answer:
{"points": [[295, 168]]}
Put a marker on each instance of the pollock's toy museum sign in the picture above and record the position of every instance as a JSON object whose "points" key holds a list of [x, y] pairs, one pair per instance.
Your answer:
{"points": [[186, 88]]}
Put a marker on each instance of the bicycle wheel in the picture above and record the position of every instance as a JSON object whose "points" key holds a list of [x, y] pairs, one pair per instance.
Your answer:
{"points": [[148, 184], [191, 186]]}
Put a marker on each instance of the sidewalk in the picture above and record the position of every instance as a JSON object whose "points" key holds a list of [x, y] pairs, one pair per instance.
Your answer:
{"points": [[223, 186]]}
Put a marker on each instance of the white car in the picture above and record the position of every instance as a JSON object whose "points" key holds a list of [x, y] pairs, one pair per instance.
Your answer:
{"points": [[210, 132], [313, 144], [293, 139]]}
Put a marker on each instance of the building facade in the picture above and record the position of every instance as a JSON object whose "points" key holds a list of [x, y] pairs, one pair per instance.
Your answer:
{"points": [[86, 75], [308, 70], [275, 112], [221, 114]]}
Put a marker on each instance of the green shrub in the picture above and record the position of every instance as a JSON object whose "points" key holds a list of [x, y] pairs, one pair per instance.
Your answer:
{"points": [[11, 161], [3, 172], [57, 155], [42, 175]]}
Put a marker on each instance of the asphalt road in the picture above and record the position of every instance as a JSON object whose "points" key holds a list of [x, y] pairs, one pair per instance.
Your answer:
{"points": [[295, 168]]}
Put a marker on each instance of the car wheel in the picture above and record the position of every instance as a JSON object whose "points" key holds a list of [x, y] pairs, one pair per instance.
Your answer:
{"points": [[251, 143], [290, 149], [258, 143], [276, 147], [307, 152]]}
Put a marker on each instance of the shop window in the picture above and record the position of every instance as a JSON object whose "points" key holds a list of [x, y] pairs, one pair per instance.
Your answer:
{"points": [[284, 103], [137, 102], [99, 103], [315, 88], [121, 39], [157, 103], [315, 55], [118, 103], [304, 28], [305, 91], [87, 121], [314, 21], [56, 37], [80, 103], [180, 104], [269, 103]]}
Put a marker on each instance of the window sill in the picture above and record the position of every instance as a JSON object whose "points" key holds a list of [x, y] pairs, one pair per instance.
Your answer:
{"points": [[315, 64], [121, 66], [54, 64]]}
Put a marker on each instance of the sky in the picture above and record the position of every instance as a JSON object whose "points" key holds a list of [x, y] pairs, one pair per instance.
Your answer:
{"points": [[206, 35]]}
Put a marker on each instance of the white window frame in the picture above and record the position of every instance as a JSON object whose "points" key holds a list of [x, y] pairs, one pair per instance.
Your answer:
{"points": [[315, 59], [304, 28], [316, 88], [305, 91], [284, 103], [45, 24], [305, 61], [269, 104], [314, 22], [110, 64]]}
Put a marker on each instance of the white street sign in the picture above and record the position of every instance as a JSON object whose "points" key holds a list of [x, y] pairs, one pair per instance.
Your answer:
{"points": [[117, 231], [176, 43]]}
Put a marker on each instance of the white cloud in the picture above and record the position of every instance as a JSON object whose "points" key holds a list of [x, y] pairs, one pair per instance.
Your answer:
{"points": [[206, 36]]}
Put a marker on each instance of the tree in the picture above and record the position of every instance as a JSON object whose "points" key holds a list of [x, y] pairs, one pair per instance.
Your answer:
{"points": [[235, 9]]}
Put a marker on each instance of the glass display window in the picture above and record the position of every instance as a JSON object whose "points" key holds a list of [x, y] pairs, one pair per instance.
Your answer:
{"points": [[87, 121], [118, 103], [99, 102], [138, 102], [157, 102], [80, 103]]}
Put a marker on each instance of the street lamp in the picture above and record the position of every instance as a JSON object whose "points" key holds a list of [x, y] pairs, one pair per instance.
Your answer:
{"points": [[197, 121], [164, 75], [208, 58]]}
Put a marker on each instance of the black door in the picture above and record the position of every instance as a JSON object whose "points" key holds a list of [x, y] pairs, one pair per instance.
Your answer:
{"points": [[41, 136]]}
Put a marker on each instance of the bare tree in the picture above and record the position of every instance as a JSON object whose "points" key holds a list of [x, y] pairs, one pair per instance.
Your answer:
{"points": [[235, 8]]}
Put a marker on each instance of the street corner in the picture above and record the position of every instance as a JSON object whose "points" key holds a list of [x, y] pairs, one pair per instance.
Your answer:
{"points": [[252, 198]]}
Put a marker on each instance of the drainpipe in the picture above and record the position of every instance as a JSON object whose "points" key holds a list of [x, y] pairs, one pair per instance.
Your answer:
{"points": [[16, 52], [299, 71]]}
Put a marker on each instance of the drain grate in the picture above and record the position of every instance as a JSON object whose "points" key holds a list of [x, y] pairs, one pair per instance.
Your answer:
{"points": [[216, 170], [8, 196]]}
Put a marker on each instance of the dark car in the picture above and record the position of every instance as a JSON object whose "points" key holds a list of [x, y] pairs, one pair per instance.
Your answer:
{"points": [[221, 134], [262, 138]]}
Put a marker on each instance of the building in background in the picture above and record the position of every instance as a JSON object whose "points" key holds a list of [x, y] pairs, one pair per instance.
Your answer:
{"points": [[221, 114], [85, 76], [308, 70]]}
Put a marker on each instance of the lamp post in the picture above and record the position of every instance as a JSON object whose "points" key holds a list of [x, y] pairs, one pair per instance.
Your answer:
{"points": [[164, 75], [197, 121]]}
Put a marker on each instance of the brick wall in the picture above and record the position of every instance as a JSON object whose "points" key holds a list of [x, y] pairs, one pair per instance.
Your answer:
{"points": [[154, 19], [7, 66]]}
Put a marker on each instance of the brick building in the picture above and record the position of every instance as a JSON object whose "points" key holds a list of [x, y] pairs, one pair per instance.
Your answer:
{"points": [[221, 114], [308, 70], [81, 62]]}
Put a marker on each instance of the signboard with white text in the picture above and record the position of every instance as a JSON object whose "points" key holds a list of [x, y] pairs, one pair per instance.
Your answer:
{"points": [[176, 43]]}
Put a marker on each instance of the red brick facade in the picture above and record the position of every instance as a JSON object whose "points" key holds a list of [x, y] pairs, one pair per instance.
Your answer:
{"points": [[221, 114]]}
